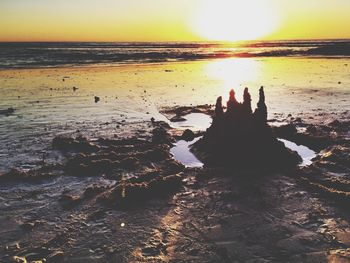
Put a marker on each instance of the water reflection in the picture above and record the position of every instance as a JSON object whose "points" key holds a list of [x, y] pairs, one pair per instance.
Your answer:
{"points": [[181, 152], [234, 73], [194, 121], [305, 153]]}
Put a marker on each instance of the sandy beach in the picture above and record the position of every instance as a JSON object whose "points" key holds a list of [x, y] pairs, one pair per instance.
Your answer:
{"points": [[79, 137]]}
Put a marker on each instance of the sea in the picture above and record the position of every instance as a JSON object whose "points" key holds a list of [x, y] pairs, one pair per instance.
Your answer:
{"points": [[77, 54]]}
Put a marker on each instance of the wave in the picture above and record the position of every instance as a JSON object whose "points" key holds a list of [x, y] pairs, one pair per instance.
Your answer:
{"points": [[52, 54]]}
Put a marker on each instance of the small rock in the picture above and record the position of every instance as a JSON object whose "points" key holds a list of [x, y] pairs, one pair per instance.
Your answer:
{"points": [[160, 135], [188, 135], [177, 118]]}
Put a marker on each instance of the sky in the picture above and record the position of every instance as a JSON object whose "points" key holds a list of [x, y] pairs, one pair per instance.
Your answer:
{"points": [[165, 20]]}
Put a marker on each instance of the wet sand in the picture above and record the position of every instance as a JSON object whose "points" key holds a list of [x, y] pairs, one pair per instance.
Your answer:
{"points": [[46, 103], [64, 205], [213, 215]]}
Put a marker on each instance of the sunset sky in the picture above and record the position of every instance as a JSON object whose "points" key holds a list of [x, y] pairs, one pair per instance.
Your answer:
{"points": [[165, 20]]}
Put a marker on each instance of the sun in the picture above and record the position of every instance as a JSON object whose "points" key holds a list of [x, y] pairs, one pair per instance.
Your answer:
{"points": [[234, 20]]}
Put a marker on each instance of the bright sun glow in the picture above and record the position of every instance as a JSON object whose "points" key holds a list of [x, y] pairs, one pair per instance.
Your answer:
{"points": [[234, 72], [235, 20]]}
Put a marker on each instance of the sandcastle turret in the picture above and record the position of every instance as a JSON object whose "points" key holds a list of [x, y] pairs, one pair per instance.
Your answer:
{"points": [[247, 102], [219, 111], [261, 110], [232, 103]]}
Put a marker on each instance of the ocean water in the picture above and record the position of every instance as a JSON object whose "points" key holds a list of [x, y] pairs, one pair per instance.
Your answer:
{"points": [[52, 86], [33, 55]]}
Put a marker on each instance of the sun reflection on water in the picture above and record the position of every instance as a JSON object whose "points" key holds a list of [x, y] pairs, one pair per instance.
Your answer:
{"points": [[235, 73]]}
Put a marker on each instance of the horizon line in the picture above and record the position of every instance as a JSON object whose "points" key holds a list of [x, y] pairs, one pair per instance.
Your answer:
{"points": [[172, 41]]}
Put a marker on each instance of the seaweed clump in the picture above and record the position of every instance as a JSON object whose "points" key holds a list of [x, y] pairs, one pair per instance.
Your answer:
{"points": [[241, 138]]}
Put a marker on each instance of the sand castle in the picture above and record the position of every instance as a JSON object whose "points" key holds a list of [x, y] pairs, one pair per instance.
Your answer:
{"points": [[241, 138]]}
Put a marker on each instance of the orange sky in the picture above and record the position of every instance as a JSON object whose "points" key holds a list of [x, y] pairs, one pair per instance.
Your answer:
{"points": [[165, 20]]}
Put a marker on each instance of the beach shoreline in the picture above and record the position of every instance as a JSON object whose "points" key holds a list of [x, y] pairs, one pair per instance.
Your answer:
{"points": [[89, 136]]}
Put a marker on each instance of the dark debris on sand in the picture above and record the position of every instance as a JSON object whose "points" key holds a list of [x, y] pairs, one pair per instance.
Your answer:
{"points": [[328, 175], [153, 209], [175, 114]]}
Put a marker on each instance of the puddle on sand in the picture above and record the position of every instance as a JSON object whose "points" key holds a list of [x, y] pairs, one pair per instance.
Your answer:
{"points": [[200, 121], [194, 121], [305, 153], [181, 153], [181, 150]]}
